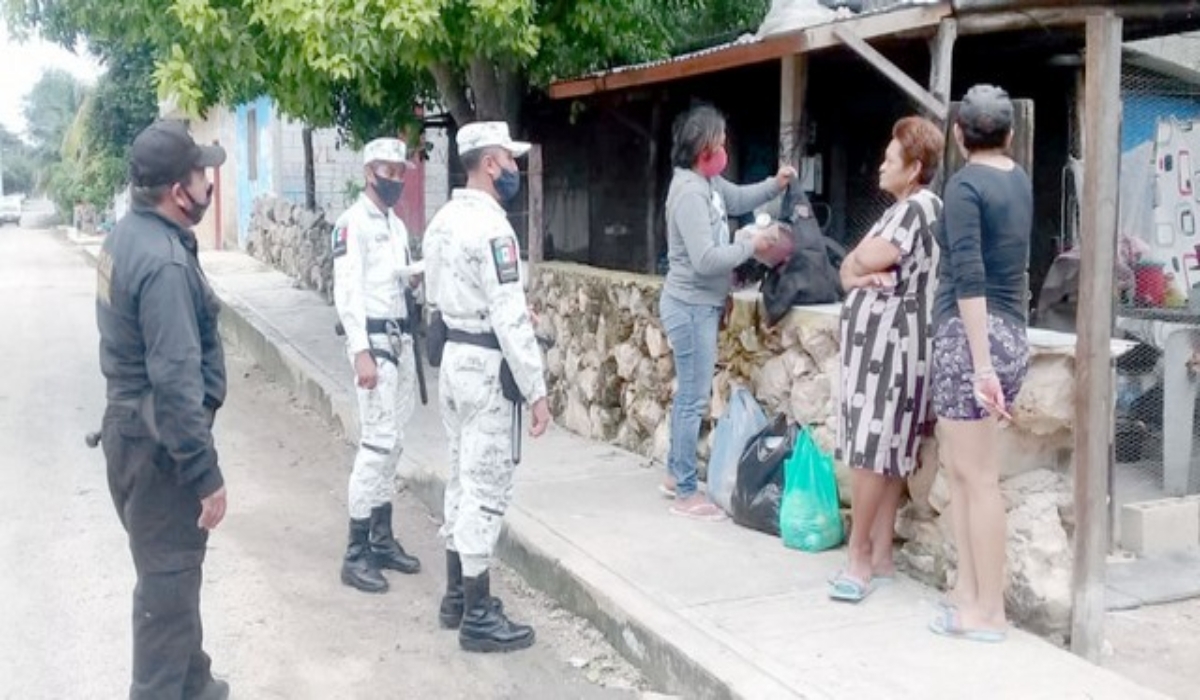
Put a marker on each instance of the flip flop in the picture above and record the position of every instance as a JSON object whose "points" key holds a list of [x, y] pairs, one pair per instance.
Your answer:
{"points": [[876, 580], [666, 491], [946, 624], [845, 589]]}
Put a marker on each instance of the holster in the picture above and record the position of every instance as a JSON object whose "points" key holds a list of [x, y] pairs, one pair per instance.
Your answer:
{"points": [[508, 383], [435, 339]]}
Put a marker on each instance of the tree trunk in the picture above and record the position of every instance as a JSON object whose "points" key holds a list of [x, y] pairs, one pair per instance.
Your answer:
{"points": [[497, 91], [453, 92], [310, 172], [485, 91]]}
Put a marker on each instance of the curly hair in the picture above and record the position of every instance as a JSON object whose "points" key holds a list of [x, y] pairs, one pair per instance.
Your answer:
{"points": [[985, 118], [920, 141]]}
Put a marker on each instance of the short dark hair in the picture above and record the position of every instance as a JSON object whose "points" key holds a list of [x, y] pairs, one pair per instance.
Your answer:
{"points": [[148, 197], [985, 118], [695, 130], [473, 160], [151, 197], [920, 141]]}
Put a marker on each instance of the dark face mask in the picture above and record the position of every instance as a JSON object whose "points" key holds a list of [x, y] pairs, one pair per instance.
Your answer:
{"points": [[508, 185], [388, 191], [196, 210]]}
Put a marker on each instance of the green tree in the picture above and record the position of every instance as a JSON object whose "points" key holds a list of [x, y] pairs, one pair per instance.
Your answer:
{"points": [[363, 64], [50, 108], [88, 163], [17, 163]]}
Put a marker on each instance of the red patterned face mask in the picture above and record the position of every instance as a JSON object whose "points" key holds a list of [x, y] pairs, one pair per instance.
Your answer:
{"points": [[713, 162]]}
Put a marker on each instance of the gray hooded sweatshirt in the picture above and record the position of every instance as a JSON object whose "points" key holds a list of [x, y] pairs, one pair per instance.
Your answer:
{"points": [[699, 249]]}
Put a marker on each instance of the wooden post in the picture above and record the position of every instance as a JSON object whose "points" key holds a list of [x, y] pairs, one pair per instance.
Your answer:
{"points": [[941, 49], [793, 88], [1093, 354], [941, 76], [310, 170], [537, 228], [652, 188]]}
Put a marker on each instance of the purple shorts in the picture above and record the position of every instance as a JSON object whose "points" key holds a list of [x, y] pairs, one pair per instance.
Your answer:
{"points": [[953, 371]]}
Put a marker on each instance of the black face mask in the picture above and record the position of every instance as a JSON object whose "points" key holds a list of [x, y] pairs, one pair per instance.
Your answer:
{"points": [[388, 191], [196, 210]]}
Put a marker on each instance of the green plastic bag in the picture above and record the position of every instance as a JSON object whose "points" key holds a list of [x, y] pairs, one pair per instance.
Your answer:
{"points": [[810, 517]]}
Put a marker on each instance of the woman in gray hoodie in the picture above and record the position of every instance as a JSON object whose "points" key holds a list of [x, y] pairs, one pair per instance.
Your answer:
{"points": [[702, 257]]}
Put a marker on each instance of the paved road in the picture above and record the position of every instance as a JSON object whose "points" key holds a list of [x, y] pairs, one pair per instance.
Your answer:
{"points": [[278, 622]]}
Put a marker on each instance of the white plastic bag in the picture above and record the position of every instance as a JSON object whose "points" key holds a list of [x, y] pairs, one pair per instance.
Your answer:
{"points": [[743, 419], [790, 15]]}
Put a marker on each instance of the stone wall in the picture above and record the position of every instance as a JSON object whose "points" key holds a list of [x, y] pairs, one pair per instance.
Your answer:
{"points": [[611, 378], [294, 241], [610, 372]]}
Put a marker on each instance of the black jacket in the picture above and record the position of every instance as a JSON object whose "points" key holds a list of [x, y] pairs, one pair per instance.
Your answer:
{"points": [[158, 333]]}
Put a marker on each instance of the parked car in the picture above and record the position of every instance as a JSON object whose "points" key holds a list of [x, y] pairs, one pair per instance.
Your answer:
{"points": [[10, 210]]}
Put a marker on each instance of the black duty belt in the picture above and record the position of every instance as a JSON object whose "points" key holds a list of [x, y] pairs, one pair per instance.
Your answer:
{"points": [[479, 340], [382, 326]]}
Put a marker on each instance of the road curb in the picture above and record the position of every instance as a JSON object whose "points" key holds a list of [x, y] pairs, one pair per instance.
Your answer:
{"points": [[661, 644]]}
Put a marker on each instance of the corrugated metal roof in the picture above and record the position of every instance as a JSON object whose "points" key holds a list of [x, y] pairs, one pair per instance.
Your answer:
{"points": [[747, 39]]}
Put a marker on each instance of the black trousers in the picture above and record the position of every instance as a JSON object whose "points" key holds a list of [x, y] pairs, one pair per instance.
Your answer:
{"points": [[168, 550]]}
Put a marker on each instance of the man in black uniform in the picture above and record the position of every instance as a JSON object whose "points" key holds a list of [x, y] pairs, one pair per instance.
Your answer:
{"points": [[162, 357]]}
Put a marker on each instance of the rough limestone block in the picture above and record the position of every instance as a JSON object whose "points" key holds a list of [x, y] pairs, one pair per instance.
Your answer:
{"points": [[1157, 527]]}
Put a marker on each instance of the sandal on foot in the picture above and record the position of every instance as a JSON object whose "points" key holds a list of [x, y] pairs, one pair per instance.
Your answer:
{"points": [[699, 510], [847, 589], [880, 580], [667, 491], [947, 624]]}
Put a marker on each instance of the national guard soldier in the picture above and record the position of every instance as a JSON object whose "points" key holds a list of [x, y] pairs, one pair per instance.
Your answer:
{"points": [[372, 265], [474, 286], [165, 368]]}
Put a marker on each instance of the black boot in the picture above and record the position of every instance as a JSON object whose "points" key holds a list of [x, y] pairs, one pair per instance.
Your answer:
{"points": [[386, 552], [357, 569], [450, 614], [485, 628]]}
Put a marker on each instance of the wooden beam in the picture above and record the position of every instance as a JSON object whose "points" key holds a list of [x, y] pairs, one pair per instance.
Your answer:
{"points": [[893, 73], [908, 22], [1093, 355], [537, 208], [1043, 18]]}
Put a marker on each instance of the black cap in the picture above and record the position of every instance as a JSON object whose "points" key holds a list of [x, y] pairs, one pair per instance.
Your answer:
{"points": [[164, 153]]}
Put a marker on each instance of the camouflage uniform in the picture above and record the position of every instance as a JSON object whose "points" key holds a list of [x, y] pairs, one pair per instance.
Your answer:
{"points": [[371, 261], [474, 280]]}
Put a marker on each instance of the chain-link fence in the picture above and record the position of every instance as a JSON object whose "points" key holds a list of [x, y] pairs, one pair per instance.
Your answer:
{"points": [[1157, 284]]}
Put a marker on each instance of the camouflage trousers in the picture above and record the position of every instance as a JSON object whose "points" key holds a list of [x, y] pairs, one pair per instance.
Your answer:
{"points": [[382, 413], [478, 421]]}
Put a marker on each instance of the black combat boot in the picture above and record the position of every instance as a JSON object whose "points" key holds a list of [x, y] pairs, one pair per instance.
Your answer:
{"points": [[357, 569], [484, 627], [386, 552], [450, 614]]}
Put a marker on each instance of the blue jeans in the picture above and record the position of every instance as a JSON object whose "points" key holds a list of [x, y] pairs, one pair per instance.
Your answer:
{"points": [[692, 330]]}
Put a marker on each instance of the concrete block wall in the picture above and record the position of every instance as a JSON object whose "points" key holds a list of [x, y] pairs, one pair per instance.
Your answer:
{"points": [[437, 171]]}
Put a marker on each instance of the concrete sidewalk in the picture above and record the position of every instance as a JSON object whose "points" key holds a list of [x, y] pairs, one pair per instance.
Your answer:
{"points": [[705, 610]]}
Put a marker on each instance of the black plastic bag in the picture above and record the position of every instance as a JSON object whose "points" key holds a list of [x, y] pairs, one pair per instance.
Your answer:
{"points": [[759, 488], [810, 276]]}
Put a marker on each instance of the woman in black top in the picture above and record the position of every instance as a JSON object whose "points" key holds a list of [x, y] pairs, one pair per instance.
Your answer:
{"points": [[980, 351]]}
